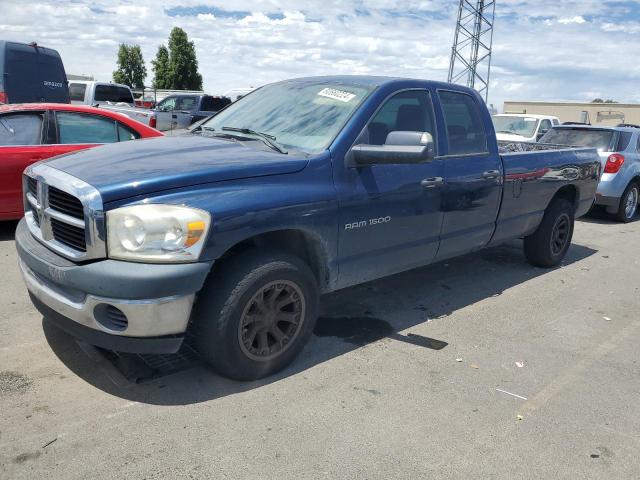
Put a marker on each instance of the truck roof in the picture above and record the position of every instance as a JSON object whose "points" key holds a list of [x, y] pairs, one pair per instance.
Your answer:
{"points": [[375, 81]]}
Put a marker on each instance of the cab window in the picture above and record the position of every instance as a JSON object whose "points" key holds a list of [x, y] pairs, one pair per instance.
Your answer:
{"points": [[406, 111], [465, 130], [77, 91], [167, 105]]}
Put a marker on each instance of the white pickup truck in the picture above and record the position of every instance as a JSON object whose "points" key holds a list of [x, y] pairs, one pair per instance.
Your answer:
{"points": [[111, 96], [522, 127]]}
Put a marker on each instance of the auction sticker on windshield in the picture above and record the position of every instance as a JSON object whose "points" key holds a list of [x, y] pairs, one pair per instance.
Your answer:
{"points": [[336, 94]]}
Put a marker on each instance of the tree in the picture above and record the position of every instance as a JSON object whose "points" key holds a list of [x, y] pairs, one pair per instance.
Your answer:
{"points": [[161, 68], [183, 64], [131, 69], [599, 100]]}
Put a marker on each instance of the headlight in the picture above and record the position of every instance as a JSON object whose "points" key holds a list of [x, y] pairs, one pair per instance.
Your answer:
{"points": [[157, 233]]}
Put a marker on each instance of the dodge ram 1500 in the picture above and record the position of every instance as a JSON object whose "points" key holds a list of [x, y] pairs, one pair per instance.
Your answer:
{"points": [[303, 187]]}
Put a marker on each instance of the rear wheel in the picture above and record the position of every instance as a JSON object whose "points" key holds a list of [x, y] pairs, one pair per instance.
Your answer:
{"points": [[255, 314], [628, 203], [548, 245]]}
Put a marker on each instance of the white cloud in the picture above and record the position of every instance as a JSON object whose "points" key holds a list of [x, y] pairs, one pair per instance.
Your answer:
{"points": [[543, 49], [578, 19]]}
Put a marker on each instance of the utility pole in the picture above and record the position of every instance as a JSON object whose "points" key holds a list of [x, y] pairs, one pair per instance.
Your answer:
{"points": [[471, 52]]}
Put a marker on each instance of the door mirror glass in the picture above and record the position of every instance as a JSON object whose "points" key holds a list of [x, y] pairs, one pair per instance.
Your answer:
{"points": [[400, 147]]}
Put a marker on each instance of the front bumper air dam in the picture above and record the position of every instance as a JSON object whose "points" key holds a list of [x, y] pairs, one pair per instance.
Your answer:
{"points": [[154, 301]]}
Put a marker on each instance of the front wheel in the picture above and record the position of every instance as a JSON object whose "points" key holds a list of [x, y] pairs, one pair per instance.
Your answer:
{"points": [[628, 203], [548, 245], [255, 314]]}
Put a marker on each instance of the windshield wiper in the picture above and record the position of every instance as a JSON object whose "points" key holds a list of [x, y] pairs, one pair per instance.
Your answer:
{"points": [[265, 137]]}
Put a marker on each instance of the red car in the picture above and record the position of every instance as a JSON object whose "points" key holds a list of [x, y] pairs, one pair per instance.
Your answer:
{"points": [[37, 131]]}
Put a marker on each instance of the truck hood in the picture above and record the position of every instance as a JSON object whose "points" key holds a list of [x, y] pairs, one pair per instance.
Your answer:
{"points": [[128, 169]]}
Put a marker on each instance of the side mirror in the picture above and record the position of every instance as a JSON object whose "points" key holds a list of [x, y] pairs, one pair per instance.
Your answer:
{"points": [[400, 148]]}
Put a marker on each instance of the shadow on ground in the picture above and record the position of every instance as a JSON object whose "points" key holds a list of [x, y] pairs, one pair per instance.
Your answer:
{"points": [[599, 216], [349, 319], [8, 230]]}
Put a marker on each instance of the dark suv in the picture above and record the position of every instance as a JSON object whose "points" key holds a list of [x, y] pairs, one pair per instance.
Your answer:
{"points": [[30, 73]]}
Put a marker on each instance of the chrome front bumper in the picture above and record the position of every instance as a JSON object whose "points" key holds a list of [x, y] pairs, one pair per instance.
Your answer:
{"points": [[145, 318]]}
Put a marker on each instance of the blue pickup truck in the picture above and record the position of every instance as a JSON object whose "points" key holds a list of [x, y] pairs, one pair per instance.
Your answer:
{"points": [[302, 187]]}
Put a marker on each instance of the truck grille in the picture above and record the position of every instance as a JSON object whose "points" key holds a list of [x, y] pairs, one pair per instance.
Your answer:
{"points": [[32, 186], [69, 235], [64, 213], [65, 203]]}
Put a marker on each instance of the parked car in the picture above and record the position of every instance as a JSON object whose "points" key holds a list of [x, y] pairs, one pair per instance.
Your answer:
{"points": [[33, 132], [180, 111], [516, 127], [619, 151], [93, 93], [237, 93], [303, 187], [31, 73], [110, 96]]}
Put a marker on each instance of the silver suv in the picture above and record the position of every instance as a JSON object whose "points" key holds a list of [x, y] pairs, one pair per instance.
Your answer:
{"points": [[619, 149]]}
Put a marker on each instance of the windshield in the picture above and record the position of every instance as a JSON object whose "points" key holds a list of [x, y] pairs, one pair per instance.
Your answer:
{"points": [[524, 126], [298, 115], [579, 137]]}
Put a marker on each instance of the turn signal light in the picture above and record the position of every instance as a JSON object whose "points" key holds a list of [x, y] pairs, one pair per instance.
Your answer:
{"points": [[153, 122], [614, 163], [4, 98]]}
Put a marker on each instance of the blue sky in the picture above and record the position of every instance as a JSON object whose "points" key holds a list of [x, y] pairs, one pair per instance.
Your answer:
{"points": [[543, 49]]}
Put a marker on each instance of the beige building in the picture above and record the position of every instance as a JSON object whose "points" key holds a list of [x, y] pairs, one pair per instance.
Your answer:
{"points": [[594, 113]]}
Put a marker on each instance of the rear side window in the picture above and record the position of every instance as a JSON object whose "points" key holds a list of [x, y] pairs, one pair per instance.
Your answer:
{"points": [[638, 145], [465, 130], [77, 91], [214, 104], [545, 126], [623, 141], [21, 129], [580, 137], [406, 111], [125, 133], [113, 93], [83, 128]]}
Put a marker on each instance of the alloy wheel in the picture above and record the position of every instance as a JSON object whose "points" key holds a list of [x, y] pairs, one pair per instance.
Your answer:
{"points": [[271, 320]]}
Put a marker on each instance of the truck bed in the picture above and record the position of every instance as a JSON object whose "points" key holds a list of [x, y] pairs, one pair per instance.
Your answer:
{"points": [[533, 173]]}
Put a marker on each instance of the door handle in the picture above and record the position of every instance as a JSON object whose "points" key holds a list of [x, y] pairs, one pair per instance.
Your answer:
{"points": [[491, 174], [431, 182]]}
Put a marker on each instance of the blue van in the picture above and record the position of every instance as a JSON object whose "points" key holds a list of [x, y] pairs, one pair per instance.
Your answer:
{"points": [[30, 73]]}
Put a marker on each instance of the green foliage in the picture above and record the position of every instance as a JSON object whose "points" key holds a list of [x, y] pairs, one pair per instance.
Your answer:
{"points": [[161, 78], [599, 100], [131, 69], [183, 64], [176, 67]]}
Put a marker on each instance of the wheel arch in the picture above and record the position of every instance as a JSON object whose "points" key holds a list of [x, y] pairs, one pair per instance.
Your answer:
{"points": [[303, 244], [571, 193]]}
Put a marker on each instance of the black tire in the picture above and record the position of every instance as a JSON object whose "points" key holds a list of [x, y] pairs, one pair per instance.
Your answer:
{"points": [[548, 245], [248, 282], [624, 214]]}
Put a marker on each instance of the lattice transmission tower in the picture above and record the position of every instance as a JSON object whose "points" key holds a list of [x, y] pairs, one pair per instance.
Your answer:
{"points": [[471, 53]]}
